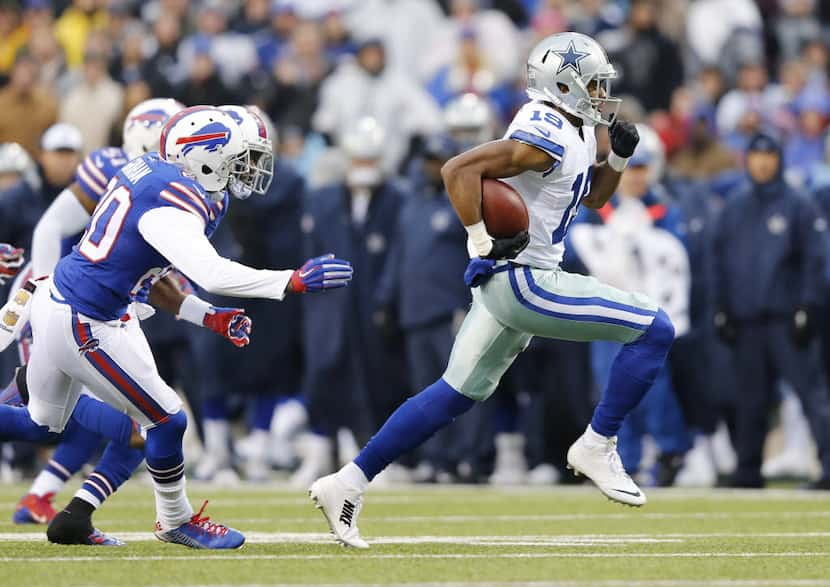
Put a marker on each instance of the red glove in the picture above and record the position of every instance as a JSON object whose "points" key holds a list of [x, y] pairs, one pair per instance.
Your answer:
{"points": [[230, 323], [11, 259]]}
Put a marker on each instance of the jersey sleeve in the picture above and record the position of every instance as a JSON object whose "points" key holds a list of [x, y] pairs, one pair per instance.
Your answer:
{"points": [[186, 196], [96, 170], [539, 126]]}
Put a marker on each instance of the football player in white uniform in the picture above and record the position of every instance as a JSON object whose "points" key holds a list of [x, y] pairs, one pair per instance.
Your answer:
{"points": [[548, 155]]}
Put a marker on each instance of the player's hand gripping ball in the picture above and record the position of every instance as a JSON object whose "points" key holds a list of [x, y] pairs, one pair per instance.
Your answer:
{"points": [[505, 215]]}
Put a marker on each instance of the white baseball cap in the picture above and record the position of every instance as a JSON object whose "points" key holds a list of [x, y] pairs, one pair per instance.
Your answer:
{"points": [[62, 137]]}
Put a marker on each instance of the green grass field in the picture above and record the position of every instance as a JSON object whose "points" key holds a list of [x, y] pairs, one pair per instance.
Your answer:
{"points": [[450, 535]]}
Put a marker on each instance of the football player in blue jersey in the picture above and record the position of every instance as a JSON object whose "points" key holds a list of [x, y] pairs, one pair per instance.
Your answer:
{"points": [[91, 419], [157, 212], [56, 231]]}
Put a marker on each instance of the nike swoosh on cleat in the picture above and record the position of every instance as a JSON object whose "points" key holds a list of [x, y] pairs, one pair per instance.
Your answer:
{"points": [[631, 493]]}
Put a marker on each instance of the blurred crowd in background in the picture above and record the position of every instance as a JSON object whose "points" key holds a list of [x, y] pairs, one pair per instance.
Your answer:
{"points": [[368, 98]]}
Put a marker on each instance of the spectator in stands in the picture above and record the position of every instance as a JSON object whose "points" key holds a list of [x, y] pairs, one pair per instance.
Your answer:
{"points": [[805, 148], [337, 37], [45, 49], [405, 27], [22, 205], [495, 44], [704, 157], [254, 18], [162, 69], [95, 104], [284, 20], [647, 62], [127, 60], [767, 303], [366, 86], [796, 25], [74, 26], [593, 17], [26, 108], [819, 176], [203, 84], [233, 54], [291, 93], [469, 72], [724, 33], [13, 35]]}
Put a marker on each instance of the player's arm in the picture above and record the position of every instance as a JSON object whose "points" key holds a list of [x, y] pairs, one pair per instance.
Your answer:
{"points": [[179, 237], [169, 294], [606, 177], [463, 174], [68, 214]]}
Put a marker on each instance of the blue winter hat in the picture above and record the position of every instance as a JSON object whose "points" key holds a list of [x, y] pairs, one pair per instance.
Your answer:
{"points": [[764, 141]]}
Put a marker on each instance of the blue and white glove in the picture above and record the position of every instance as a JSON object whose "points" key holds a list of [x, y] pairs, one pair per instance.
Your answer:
{"points": [[321, 273], [479, 271]]}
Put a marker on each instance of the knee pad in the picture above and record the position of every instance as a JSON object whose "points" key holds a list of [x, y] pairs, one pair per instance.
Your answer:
{"points": [[661, 331], [171, 430]]}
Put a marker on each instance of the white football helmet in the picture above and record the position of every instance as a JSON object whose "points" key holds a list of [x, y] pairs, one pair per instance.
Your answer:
{"points": [[14, 160], [560, 70], [207, 143], [363, 140], [143, 125], [259, 165], [469, 120]]}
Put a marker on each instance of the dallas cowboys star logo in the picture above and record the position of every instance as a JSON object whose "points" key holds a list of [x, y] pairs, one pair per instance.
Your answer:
{"points": [[570, 58]]}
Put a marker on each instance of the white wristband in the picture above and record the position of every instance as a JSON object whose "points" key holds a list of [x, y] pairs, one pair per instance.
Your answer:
{"points": [[481, 241], [616, 162], [194, 310]]}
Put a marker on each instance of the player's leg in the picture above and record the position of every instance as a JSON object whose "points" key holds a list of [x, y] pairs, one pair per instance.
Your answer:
{"points": [[121, 371], [73, 524], [76, 447], [556, 304], [484, 348]]}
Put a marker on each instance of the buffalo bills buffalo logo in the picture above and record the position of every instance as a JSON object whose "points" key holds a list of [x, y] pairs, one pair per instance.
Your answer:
{"points": [[150, 117], [211, 137], [89, 346], [237, 118]]}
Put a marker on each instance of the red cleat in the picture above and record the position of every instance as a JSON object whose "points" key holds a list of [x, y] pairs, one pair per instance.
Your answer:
{"points": [[33, 509]]}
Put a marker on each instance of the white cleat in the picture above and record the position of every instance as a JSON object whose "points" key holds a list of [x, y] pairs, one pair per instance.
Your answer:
{"points": [[341, 506], [596, 457]]}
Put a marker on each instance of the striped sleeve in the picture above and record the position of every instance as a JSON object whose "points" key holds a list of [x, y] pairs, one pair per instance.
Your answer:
{"points": [[91, 178], [186, 198], [547, 145]]}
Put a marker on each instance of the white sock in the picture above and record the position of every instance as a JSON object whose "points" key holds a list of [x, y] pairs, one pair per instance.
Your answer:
{"points": [[594, 438], [353, 477], [88, 497], [46, 482], [172, 506]]}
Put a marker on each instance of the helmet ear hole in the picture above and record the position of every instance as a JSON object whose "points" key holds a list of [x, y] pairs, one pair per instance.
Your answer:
{"points": [[563, 88], [206, 170]]}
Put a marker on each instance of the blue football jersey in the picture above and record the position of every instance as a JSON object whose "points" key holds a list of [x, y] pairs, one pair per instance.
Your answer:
{"points": [[93, 175], [95, 172], [113, 264]]}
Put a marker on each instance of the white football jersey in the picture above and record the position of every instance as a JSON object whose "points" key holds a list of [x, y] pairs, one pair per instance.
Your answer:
{"points": [[552, 197]]}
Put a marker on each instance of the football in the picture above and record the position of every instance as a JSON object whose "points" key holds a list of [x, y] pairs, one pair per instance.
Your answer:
{"points": [[503, 209]]}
